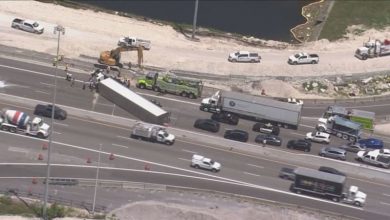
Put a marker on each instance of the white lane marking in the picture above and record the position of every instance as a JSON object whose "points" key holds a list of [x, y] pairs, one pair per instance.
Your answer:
{"points": [[38, 91], [386, 194], [61, 124], [192, 152], [298, 134], [184, 159], [308, 126], [55, 132], [118, 145], [105, 104], [252, 174], [17, 149], [255, 166], [384, 203], [47, 84], [122, 137]]}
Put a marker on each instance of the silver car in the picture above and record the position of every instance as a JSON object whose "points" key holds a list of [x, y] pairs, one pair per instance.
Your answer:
{"points": [[353, 147], [333, 152]]}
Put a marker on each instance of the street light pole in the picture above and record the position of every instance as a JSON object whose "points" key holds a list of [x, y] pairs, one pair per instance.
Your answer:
{"points": [[195, 18], [60, 30], [96, 180]]}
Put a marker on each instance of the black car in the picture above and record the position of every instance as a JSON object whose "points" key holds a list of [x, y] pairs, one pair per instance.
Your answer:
{"points": [[207, 124], [299, 144], [331, 170], [237, 135], [269, 139], [267, 128], [156, 102], [45, 110], [287, 173], [225, 117]]}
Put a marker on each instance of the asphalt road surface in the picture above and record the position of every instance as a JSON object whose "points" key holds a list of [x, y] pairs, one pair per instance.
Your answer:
{"points": [[77, 139]]}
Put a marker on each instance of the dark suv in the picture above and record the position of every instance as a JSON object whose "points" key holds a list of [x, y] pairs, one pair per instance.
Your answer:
{"points": [[237, 135], [45, 110], [225, 117], [299, 144], [207, 124], [267, 128]]}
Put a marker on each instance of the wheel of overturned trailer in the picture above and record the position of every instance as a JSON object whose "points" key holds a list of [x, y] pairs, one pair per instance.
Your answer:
{"points": [[345, 137], [339, 135], [352, 139]]}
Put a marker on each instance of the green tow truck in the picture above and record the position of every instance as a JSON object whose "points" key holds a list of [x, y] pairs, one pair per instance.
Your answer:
{"points": [[365, 118], [169, 83]]}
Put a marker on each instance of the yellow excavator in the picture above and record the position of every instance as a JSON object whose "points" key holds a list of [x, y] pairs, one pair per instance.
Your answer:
{"points": [[113, 57]]}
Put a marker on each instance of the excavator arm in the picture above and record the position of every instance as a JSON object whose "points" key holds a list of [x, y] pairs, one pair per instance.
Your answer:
{"points": [[113, 57]]}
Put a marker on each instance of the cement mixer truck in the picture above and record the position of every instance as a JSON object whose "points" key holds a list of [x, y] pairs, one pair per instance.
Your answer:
{"points": [[19, 122]]}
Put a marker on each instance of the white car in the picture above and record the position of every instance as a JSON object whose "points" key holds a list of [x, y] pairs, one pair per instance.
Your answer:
{"points": [[317, 136], [202, 162], [295, 101]]}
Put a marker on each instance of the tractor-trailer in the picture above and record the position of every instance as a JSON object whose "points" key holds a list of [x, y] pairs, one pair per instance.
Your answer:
{"points": [[326, 185], [132, 102], [254, 107]]}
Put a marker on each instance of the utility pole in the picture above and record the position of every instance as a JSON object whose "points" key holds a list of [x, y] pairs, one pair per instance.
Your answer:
{"points": [[96, 180], [195, 18], [60, 30]]}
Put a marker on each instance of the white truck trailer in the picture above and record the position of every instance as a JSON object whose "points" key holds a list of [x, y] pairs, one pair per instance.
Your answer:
{"points": [[153, 133], [341, 127], [254, 108], [373, 48], [132, 102], [19, 122]]}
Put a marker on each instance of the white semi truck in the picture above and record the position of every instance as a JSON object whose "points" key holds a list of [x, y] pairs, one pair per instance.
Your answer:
{"points": [[254, 108], [153, 133], [19, 122], [373, 48]]}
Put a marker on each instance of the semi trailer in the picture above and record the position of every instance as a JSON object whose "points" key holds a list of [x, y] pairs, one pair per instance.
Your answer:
{"points": [[254, 108]]}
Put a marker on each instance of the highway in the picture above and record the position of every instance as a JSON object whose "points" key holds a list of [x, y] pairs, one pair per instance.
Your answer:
{"points": [[77, 139]]}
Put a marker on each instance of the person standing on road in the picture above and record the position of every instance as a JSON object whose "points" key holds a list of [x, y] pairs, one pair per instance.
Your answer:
{"points": [[73, 81]]}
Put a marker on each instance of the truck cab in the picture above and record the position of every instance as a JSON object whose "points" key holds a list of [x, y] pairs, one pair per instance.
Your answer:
{"points": [[38, 128], [210, 104], [354, 196], [164, 137]]}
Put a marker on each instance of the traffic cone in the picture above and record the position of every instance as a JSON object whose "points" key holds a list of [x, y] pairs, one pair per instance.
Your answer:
{"points": [[146, 167], [40, 157], [112, 156], [34, 180], [89, 160], [44, 146]]}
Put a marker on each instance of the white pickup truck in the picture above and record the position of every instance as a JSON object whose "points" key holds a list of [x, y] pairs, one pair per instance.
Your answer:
{"points": [[374, 157], [201, 162], [27, 25], [134, 42], [303, 58]]}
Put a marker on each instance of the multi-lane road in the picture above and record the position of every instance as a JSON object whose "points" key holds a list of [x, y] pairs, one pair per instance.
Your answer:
{"points": [[78, 138]]}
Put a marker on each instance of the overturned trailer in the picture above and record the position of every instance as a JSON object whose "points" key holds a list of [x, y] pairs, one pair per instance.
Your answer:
{"points": [[132, 102]]}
